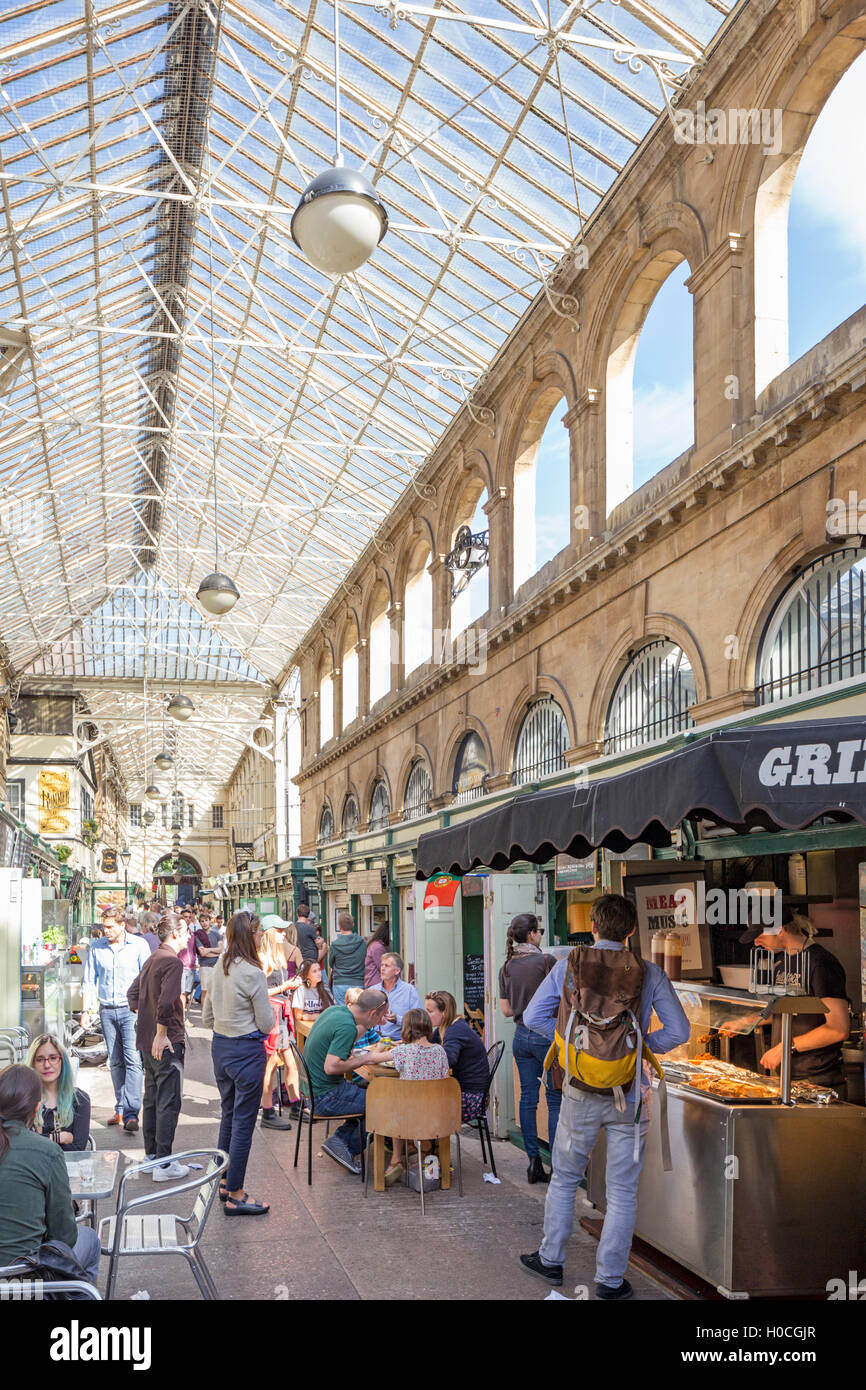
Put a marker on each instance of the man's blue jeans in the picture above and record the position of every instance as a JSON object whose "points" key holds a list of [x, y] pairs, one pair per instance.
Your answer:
{"points": [[582, 1117], [339, 993], [86, 1251], [341, 1100], [239, 1072], [530, 1049], [124, 1059]]}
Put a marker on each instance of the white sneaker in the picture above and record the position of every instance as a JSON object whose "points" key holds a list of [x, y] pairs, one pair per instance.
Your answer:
{"points": [[170, 1171]]}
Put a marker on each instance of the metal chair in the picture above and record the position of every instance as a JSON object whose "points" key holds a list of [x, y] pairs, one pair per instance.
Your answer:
{"points": [[15, 1040], [494, 1057], [128, 1233], [308, 1111], [415, 1111], [26, 1289]]}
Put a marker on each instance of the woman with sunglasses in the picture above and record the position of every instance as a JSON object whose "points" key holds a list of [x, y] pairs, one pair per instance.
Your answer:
{"points": [[65, 1112]]}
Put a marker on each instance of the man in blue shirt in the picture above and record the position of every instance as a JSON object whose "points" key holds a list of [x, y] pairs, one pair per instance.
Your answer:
{"points": [[585, 1113], [113, 962], [401, 996]]}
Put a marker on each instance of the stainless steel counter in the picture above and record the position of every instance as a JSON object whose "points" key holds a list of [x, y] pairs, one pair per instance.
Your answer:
{"points": [[762, 1199]]}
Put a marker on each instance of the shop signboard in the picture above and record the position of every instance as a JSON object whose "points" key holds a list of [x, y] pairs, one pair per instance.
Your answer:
{"points": [[109, 863], [439, 896], [361, 881], [668, 906], [575, 873], [54, 801]]}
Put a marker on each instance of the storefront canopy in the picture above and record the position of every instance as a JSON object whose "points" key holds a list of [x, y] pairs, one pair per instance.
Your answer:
{"points": [[782, 777]]}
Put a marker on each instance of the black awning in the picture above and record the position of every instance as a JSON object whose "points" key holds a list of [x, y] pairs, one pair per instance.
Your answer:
{"points": [[774, 777]]}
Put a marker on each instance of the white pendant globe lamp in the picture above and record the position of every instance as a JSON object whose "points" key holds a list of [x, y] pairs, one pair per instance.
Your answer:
{"points": [[340, 219], [163, 760], [217, 594], [152, 792]]}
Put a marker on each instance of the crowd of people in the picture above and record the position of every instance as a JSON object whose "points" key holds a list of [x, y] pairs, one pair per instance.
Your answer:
{"points": [[266, 986]]}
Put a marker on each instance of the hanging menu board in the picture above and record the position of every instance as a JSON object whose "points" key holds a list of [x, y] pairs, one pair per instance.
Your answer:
{"points": [[473, 982]]}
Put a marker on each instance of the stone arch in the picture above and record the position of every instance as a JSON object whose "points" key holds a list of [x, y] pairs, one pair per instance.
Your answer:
{"points": [[621, 329], [530, 695], [800, 87], [530, 411], [476, 470], [419, 750], [629, 642], [778, 576], [379, 774], [380, 581], [470, 724]]}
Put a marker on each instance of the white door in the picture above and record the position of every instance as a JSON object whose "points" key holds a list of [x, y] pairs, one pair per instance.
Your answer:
{"points": [[505, 895], [439, 948]]}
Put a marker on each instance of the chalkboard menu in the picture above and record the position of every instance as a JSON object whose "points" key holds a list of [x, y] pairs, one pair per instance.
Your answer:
{"points": [[473, 982]]}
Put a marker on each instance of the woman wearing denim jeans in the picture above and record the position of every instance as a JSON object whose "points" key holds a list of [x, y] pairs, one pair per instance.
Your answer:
{"points": [[524, 969], [238, 1008]]}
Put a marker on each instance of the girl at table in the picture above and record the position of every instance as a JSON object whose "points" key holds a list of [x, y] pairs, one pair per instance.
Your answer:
{"points": [[65, 1113], [312, 995], [463, 1048], [416, 1058]]}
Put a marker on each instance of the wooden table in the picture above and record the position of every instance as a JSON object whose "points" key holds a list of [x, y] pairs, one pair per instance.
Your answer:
{"points": [[302, 1031], [443, 1146]]}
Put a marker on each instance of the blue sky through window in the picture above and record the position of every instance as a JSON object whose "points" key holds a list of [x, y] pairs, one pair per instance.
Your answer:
{"points": [[664, 379]]}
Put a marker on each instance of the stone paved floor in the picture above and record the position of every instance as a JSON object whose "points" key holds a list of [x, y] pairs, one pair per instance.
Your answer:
{"points": [[326, 1241]]}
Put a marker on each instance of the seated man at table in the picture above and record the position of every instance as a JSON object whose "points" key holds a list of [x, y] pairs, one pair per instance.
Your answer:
{"points": [[327, 1056], [35, 1196], [401, 996]]}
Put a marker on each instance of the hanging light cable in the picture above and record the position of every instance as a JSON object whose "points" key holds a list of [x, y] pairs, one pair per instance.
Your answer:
{"points": [[340, 219], [216, 593], [180, 706]]}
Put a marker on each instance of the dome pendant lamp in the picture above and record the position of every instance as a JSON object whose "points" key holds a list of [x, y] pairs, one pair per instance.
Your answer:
{"points": [[340, 219], [163, 760], [180, 707], [217, 594]]}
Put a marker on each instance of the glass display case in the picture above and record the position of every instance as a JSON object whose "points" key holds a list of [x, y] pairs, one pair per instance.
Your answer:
{"points": [[726, 1023]]}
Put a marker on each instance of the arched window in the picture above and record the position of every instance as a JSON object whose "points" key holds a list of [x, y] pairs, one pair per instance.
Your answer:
{"points": [[416, 802], [326, 707], [380, 807], [542, 488], [380, 650], [816, 635], [350, 816], [349, 665], [650, 379], [541, 743], [470, 769], [418, 612], [473, 597], [326, 826], [652, 698], [810, 270]]}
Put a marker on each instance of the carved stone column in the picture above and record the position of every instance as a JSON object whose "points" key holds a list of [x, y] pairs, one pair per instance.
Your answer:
{"points": [[724, 393], [585, 423], [501, 552]]}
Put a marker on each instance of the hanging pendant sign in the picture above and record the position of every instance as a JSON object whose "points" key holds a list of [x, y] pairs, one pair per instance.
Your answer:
{"points": [[439, 896]]}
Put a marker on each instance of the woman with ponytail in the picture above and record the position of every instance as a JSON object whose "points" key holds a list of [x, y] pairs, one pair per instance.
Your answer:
{"points": [[35, 1197], [524, 970]]}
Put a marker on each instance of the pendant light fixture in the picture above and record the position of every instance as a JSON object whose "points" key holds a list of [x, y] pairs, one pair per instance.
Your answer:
{"points": [[216, 593], [180, 707], [148, 817], [340, 219], [163, 760]]}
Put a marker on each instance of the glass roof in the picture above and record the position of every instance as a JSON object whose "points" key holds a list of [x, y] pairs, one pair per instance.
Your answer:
{"points": [[159, 329]]}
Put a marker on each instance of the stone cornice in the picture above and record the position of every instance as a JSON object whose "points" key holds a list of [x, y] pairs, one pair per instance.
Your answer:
{"points": [[768, 441]]}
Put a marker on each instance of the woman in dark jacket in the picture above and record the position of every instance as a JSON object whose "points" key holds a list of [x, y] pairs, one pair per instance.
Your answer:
{"points": [[524, 970], [463, 1048], [65, 1113]]}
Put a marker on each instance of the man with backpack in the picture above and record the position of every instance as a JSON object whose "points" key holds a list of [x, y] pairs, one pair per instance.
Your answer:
{"points": [[595, 1007]]}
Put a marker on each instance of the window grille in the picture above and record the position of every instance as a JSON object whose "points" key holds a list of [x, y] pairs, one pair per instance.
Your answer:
{"points": [[816, 635], [416, 802], [470, 770], [541, 743], [216, 818], [380, 807], [350, 816], [326, 827], [652, 699]]}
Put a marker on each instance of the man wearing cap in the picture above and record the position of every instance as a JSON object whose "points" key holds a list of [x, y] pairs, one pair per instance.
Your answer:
{"points": [[817, 972]]}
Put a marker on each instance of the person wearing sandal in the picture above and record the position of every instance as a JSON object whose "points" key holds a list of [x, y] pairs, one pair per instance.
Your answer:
{"points": [[238, 1009]]}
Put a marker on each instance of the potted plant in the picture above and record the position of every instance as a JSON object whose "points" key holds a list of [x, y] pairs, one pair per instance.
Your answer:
{"points": [[63, 852], [90, 832]]}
